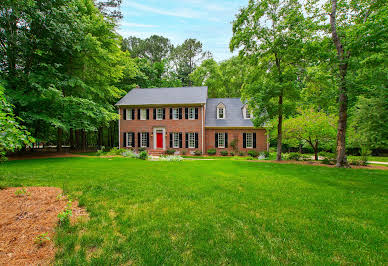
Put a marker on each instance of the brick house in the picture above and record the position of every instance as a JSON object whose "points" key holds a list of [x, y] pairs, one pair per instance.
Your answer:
{"points": [[185, 119]]}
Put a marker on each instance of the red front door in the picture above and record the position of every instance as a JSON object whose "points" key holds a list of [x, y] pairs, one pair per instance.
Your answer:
{"points": [[159, 140]]}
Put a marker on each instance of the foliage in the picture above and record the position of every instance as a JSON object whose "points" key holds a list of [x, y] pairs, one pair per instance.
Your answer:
{"points": [[211, 151], [116, 151], [264, 154], [232, 153], [21, 192], [294, 156], [130, 154], [64, 216], [241, 153], [327, 155], [170, 151], [41, 239], [197, 153], [101, 151], [183, 152], [253, 153], [170, 158], [143, 155], [224, 153], [141, 149], [312, 127], [12, 135]]}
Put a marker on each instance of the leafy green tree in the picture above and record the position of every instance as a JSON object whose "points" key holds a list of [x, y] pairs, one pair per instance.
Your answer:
{"points": [[186, 57], [12, 135], [270, 33], [315, 128]]}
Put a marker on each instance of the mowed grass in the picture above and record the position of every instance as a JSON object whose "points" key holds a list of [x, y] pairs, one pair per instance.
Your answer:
{"points": [[214, 212]]}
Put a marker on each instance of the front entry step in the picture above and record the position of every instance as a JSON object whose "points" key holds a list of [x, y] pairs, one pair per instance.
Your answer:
{"points": [[156, 152]]}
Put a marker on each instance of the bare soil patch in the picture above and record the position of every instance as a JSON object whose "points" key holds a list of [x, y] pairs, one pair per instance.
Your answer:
{"points": [[24, 217]]}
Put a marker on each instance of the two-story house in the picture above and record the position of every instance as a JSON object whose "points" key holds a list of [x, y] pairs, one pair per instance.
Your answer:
{"points": [[184, 118]]}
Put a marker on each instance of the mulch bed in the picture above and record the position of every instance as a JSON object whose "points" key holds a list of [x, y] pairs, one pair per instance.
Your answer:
{"points": [[25, 216], [37, 155]]}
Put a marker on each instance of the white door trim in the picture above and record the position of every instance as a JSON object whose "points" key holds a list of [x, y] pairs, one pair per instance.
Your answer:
{"points": [[164, 136]]}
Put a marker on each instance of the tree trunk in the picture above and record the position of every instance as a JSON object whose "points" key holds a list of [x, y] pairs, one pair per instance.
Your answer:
{"points": [[59, 139], [343, 97], [316, 150], [99, 138], [77, 139], [71, 139], [112, 135], [300, 148], [280, 124], [83, 140]]}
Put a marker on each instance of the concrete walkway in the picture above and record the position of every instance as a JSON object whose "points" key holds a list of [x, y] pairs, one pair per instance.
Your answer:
{"points": [[386, 163]]}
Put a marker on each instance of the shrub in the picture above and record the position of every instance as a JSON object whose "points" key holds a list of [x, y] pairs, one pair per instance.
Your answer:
{"points": [[197, 153], [141, 149], [130, 154], [294, 156], [264, 155], [357, 162], [241, 153], [41, 239], [211, 151], [143, 155], [171, 158], [253, 153], [3, 158], [234, 144], [100, 152], [327, 161], [116, 151], [170, 152], [305, 157], [224, 153], [232, 153], [183, 152], [64, 217], [22, 192], [327, 155]]}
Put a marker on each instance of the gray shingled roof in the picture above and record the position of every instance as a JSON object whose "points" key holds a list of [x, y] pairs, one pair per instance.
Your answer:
{"points": [[233, 113], [181, 95]]}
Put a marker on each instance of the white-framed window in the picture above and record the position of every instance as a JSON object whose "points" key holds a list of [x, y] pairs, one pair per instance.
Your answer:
{"points": [[175, 113], [129, 114], [129, 139], [143, 139], [191, 140], [159, 114], [143, 114], [191, 113], [221, 111], [221, 140], [247, 113], [249, 140], [175, 139]]}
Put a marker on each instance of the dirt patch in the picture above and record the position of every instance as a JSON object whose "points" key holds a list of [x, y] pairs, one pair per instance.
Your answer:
{"points": [[29, 156], [25, 214]]}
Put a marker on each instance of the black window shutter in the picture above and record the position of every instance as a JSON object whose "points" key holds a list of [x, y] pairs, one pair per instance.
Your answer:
{"points": [[125, 114], [180, 113], [226, 140], [138, 140], [244, 140], [138, 114], [216, 140], [180, 140], [254, 140], [171, 144], [133, 139], [164, 113], [196, 140], [148, 140], [133, 114], [170, 113], [148, 114], [154, 113], [196, 112], [187, 140], [186, 113], [125, 139]]}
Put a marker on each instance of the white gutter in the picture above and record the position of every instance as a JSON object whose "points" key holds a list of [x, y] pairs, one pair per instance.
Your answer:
{"points": [[203, 111], [119, 127]]}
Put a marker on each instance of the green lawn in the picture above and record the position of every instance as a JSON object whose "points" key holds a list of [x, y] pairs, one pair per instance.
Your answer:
{"points": [[214, 212]]}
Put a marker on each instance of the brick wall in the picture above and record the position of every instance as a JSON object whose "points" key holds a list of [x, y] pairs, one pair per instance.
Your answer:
{"points": [[261, 139], [183, 125]]}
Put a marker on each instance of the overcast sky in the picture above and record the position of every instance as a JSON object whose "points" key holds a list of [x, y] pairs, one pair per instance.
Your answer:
{"points": [[209, 21]]}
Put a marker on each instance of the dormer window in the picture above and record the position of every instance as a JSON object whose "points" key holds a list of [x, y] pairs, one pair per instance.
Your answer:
{"points": [[247, 113], [220, 111]]}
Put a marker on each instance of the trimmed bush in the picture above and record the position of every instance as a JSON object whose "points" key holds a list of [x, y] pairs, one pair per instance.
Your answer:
{"points": [[357, 162], [143, 155], [224, 153], [197, 153], [241, 153], [264, 154], [183, 152], [141, 149], [327, 155], [232, 153], [170, 152], [211, 151], [253, 153]]}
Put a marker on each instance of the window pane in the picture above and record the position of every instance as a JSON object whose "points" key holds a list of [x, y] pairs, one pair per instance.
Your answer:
{"points": [[221, 140], [129, 114], [176, 140], [129, 138], [220, 113], [175, 113], [159, 113], [144, 139], [143, 114], [191, 140], [249, 140], [191, 113]]}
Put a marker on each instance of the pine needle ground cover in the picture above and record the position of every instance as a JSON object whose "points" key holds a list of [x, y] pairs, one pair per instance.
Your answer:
{"points": [[214, 212]]}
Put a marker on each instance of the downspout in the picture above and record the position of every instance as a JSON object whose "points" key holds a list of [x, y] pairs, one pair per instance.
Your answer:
{"points": [[203, 111], [119, 127]]}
